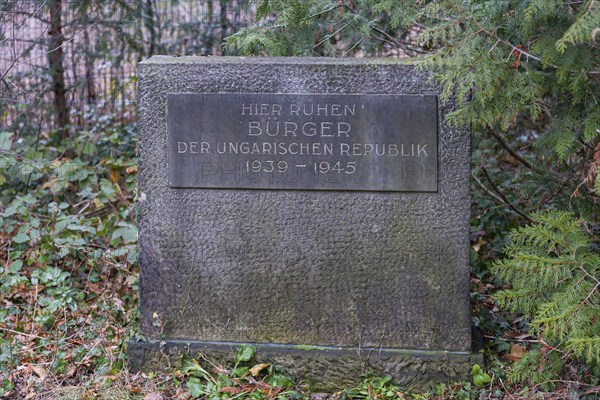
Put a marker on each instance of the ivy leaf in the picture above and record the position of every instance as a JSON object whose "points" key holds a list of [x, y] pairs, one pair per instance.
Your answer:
{"points": [[5, 141], [10, 211], [20, 238], [127, 232], [16, 266]]}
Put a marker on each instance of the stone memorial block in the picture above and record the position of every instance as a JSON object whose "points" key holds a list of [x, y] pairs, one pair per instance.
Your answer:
{"points": [[316, 208]]}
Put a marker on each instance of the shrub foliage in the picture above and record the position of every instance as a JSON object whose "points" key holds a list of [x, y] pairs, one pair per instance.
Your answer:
{"points": [[522, 71], [554, 278]]}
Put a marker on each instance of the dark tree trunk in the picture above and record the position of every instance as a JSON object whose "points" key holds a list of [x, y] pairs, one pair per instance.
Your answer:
{"points": [[223, 20], [57, 69], [89, 70], [209, 37], [151, 26]]}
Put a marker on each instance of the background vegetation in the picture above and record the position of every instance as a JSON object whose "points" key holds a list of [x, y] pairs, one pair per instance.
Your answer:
{"points": [[526, 74]]}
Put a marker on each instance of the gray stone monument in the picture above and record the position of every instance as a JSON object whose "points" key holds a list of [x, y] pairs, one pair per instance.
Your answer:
{"points": [[316, 208]]}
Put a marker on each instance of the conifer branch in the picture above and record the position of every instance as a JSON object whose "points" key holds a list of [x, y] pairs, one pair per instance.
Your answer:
{"points": [[591, 293], [557, 300], [498, 38], [589, 275]]}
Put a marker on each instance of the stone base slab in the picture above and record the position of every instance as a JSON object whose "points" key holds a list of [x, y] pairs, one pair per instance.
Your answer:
{"points": [[323, 367]]}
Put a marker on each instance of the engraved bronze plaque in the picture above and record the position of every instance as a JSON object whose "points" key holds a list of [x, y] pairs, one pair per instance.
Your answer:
{"points": [[365, 142]]}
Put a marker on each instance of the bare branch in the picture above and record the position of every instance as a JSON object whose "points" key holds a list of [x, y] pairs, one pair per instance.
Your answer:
{"points": [[506, 147], [500, 196]]}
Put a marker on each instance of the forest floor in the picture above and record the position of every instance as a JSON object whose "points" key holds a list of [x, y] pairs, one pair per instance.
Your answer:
{"points": [[80, 352]]}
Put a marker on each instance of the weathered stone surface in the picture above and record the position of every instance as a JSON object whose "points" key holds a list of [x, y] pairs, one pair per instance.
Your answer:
{"points": [[323, 367], [324, 268]]}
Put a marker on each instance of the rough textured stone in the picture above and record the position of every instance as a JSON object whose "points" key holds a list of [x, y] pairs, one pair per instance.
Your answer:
{"points": [[354, 269], [323, 367]]}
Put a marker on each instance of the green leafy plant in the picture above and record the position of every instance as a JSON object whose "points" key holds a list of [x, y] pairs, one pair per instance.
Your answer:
{"points": [[554, 277], [480, 378], [242, 380], [68, 241], [373, 387]]}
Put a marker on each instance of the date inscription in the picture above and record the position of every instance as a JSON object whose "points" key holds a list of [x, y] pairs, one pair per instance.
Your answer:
{"points": [[303, 141]]}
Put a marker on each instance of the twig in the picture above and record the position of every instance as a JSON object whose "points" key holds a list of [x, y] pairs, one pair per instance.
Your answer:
{"points": [[352, 48], [589, 275], [30, 16], [506, 147], [49, 51], [325, 11], [497, 190], [332, 35], [561, 381], [21, 333], [487, 191], [591, 293], [498, 196], [14, 61], [506, 391], [517, 340], [37, 142], [406, 49]]}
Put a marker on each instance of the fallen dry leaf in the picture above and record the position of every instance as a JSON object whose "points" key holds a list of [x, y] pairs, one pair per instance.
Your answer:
{"points": [[478, 245], [516, 352], [114, 175], [519, 335], [153, 396], [134, 389], [39, 371], [257, 368]]}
